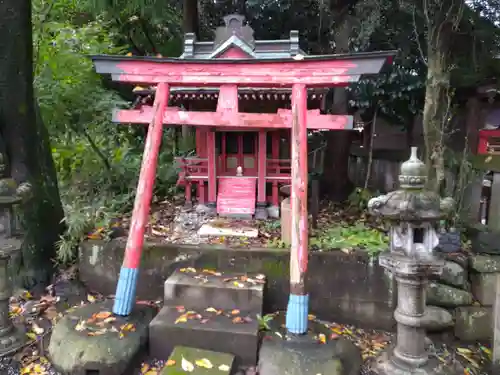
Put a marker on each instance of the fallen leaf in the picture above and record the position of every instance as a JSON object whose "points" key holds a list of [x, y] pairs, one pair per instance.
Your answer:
{"points": [[186, 365], [235, 312], [224, 368], [91, 298], [322, 338], [204, 362], [181, 319], [237, 320], [102, 315], [129, 327], [37, 329], [211, 309], [170, 362], [80, 326]]}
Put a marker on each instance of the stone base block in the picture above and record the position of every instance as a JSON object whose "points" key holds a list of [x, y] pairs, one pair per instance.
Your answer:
{"points": [[447, 296], [474, 323], [387, 364], [436, 319], [200, 289], [273, 212], [13, 340], [303, 355], [204, 362], [483, 287], [261, 213], [101, 347], [234, 332]]}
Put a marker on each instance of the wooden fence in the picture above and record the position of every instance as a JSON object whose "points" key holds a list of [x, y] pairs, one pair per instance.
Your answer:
{"points": [[384, 178]]}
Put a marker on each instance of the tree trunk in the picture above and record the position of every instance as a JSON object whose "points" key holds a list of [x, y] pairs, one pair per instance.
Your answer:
{"points": [[336, 172], [435, 118], [442, 17], [190, 22], [27, 145]]}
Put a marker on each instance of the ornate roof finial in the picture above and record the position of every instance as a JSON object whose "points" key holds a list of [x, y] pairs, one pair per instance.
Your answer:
{"points": [[234, 25], [413, 174]]}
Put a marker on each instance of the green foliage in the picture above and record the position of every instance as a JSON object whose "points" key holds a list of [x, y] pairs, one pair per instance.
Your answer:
{"points": [[276, 243], [97, 161], [357, 236], [264, 321], [359, 198]]}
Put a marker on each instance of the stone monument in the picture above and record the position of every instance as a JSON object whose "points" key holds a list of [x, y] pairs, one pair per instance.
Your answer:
{"points": [[413, 214], [11, 337]]}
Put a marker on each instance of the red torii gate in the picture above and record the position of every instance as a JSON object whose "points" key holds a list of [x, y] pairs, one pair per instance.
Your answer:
{"points": [[297, 73]]}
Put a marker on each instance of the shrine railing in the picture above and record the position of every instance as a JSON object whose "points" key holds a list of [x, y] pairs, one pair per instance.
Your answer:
{"points": [[489, 142], [194, 168], [278, 168]]}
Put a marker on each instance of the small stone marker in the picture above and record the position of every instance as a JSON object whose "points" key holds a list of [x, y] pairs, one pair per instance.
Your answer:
{"points": [[185, 360], [496, 329]]}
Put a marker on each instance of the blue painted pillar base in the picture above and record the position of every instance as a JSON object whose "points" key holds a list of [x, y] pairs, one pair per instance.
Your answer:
{"points": [[125, 291], [296, 314]]}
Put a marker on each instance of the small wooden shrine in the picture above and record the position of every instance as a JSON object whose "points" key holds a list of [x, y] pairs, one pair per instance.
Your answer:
{"points": [[243, 130]]}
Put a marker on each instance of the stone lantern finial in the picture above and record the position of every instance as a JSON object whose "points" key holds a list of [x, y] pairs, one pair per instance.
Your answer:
{"points": [[413, 174]]}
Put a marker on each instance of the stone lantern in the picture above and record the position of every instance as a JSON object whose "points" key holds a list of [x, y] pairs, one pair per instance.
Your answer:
{"points": [[413, 214], [11, 338]]}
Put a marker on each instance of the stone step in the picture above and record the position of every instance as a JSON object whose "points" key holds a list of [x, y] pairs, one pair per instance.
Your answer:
{"points": [[204, 362], [235, 332], [199, 289]]}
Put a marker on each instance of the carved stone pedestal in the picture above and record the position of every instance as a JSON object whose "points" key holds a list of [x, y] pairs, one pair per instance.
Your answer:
{"points": [[11, 337], [409, 355]]}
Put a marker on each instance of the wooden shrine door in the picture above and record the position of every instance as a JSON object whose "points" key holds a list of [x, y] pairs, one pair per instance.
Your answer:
{"points": [[237, 149], [236, 195]]}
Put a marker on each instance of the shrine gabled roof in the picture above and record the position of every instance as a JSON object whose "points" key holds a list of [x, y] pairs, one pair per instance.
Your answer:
{"points": [[235, 34], [314, 71]]}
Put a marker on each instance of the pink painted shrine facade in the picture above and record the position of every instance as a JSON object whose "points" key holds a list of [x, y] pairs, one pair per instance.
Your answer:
{"points": [[236, 92]]}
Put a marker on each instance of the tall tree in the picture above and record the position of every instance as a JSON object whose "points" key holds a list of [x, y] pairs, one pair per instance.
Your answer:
{"points": [[26, 143]]}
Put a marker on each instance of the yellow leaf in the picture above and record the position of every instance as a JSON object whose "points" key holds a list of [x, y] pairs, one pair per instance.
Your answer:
{"points": [[322, 338], [205, 363], [31, 335], [129, 54], [80, 326], [90, 298], [129, 327], [170, 362], [224, 368], [211, 309], [235, 312], [181, 319], [311, 317], [186, 365]]}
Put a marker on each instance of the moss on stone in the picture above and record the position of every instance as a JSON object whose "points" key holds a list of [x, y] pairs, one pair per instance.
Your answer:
{"points": [[222, 363], [274, 269]]}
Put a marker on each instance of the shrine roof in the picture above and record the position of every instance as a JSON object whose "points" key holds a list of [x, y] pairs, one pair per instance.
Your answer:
{"points": [[236, 35], [355, 56]]}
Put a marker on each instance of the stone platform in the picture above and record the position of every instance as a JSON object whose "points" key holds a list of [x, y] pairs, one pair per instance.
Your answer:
{"points": [[91, 340], [200, 289], [209, 310], [202, 362]]}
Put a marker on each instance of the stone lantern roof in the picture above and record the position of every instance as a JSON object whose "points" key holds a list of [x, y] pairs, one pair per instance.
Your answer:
{"points": [[411, 202]]}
